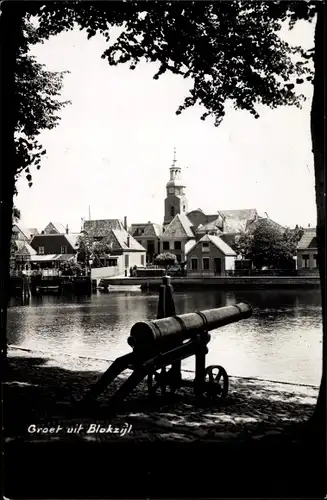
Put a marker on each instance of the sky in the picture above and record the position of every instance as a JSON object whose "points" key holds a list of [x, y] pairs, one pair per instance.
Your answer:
{"points": [[109, 157]]}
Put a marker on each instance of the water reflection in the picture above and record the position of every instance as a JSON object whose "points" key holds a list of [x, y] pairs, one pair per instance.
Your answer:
{"points": [[281, 341]]}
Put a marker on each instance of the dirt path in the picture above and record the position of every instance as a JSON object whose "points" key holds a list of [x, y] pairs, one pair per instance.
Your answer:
{"points": [[46, 388]]}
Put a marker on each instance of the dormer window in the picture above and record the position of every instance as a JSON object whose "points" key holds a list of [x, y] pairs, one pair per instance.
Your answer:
{"points": [[63, 249], [40, 250], [205, 246]]}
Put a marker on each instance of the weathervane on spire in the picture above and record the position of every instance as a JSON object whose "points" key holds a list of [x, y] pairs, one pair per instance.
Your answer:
{"points": [[174, 159]]}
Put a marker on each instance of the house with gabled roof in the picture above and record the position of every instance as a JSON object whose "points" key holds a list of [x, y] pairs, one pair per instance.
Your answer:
{"points": [[53, 249], [100, 228], [174, 238], [148, 235], [307, 253], [55, 228], [23, 257], [21, 233], [210, 256], [125, 251]]}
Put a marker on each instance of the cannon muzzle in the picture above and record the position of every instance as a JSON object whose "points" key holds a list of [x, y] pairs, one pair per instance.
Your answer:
{"points": [[148, 334]]}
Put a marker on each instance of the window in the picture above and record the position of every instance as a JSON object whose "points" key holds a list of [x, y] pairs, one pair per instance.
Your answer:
{"points": [[63, 249], [165, 245], [205, 246], [142, 260], [194, 264], [172, 211], [305, 260], [315, 260], [206, 262], [41, 251], [177, 245], [151, 248], [126, 260]]}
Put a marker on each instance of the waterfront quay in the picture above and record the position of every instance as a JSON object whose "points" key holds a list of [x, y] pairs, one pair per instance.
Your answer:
{"points": [[217, 282], [22, 286]]}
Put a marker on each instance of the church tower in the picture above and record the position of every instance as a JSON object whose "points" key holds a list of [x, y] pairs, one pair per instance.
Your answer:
{"points": [[175, 202]]}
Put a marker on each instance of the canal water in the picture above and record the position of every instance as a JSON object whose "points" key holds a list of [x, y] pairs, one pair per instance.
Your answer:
{"points": [[281, 341]]}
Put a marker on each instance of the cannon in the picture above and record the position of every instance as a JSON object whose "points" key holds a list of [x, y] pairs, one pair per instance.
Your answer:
{"points": [[165, 342]]}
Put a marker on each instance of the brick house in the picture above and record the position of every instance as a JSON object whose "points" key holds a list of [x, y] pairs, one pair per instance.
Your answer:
{"points": [[176, 235], [52, 249], [210, 256], [148, 235], [125, 251], [307, 253]]}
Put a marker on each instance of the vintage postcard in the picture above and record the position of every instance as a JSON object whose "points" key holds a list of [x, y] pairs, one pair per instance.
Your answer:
{"points": [[162, 237]]}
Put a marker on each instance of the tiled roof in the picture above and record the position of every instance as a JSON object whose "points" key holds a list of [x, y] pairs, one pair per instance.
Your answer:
{"points": [[180, 227], [308, 239], [189, 245], [99, 228], [60, 228], [73, 239], [236, 221], [152, 229], [122, 239], [26, 249], [263, 222], [219, 243], [22, 229], [211, 226]]}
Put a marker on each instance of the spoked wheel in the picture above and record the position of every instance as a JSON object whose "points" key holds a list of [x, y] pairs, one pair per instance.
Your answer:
{"points": [[215, 382], [160, 380]]}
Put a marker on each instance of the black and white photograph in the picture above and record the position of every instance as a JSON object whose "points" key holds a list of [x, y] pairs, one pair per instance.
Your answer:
{"points": [[163, 249]]}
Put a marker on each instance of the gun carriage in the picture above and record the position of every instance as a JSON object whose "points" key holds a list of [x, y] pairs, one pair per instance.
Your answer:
{"points": [[159, 346]]}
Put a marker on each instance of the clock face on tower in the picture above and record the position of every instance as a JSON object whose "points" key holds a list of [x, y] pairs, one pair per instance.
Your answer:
{"points": [[171, 190]]}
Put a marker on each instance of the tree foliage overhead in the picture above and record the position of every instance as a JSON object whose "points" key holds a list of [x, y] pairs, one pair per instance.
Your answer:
{"points": [[231, 52], [38, 103]]}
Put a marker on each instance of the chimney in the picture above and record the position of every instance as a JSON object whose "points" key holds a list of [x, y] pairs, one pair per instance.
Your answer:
{"points": [[127, 243], [67, 229], [125, 223]]}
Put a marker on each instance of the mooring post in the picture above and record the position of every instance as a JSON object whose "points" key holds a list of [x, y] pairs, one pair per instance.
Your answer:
{"points": [[166, 308]]}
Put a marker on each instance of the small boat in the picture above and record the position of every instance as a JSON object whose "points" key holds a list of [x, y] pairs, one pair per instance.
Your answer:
{"points": [[47, 289]]}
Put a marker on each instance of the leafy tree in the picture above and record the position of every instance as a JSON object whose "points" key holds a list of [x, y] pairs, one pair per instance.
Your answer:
{"points": [[268, 245], [15, 215], [70, 268], [15, 219], [231, 51], [37, 92], [166, 259], [89, 248]]}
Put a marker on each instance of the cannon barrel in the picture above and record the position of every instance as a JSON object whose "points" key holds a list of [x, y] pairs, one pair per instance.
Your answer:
{"points": [[146, 334]]}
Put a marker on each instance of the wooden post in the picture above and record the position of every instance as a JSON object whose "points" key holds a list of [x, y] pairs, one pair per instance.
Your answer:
{"points": [[166, 308]]}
